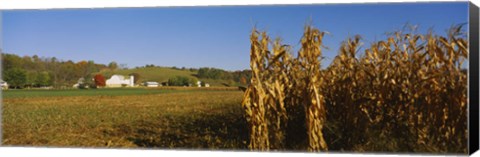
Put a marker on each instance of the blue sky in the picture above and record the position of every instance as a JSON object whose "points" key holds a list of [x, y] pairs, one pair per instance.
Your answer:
{"points": [[206, 36]]}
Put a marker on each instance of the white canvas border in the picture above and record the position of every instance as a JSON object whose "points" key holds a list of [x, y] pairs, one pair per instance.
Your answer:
{"points": [[65, 4]]}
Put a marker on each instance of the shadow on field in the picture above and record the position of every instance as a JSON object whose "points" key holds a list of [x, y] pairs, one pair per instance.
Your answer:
{"points": [[208, 131]]}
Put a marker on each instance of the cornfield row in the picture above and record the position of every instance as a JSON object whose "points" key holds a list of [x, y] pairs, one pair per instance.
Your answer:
{"points": [[405, 94]]}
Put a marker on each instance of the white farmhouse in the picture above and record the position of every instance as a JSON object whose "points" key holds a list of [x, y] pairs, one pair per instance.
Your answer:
{"points": [[3, 84], [119, 81]]}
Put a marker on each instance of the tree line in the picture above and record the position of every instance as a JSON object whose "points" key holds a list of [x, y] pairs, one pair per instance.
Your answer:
{"points": [[214, 73], [35, 71]]}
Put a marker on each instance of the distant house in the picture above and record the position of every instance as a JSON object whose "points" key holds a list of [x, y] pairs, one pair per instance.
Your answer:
{"points": [[3, 84], [151, 84], [119, 81], [200, 84], [80, 83]]}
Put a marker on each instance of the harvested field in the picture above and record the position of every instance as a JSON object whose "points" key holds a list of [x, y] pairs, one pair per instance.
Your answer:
{"points": [[169, 119]]}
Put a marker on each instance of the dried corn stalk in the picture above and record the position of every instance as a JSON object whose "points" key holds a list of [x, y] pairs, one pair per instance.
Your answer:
{"points": [[407, 93], [274, 76], [314, 101], [255, 96]]}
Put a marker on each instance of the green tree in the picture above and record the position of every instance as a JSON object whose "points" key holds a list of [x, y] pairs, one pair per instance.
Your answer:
{"points": [[173, 81], [15, 77], [55, 72], [91, 68], [213, 73], [10, 61], [193, 81], [43, 79], [67, 73], [81, 68], [181, 81], [31, 78], [113, 65]]}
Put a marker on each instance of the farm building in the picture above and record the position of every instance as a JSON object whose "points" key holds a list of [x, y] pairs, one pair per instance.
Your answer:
{"points": [[151, 84], [3, 84], [80, 81], [119, 81], [204, 84]]}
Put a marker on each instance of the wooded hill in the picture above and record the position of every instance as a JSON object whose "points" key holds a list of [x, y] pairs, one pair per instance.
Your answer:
{"points": [[35, 71]]}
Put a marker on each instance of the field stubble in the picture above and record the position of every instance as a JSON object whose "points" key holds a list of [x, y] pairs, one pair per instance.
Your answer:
{"points": [[193, 120]]}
